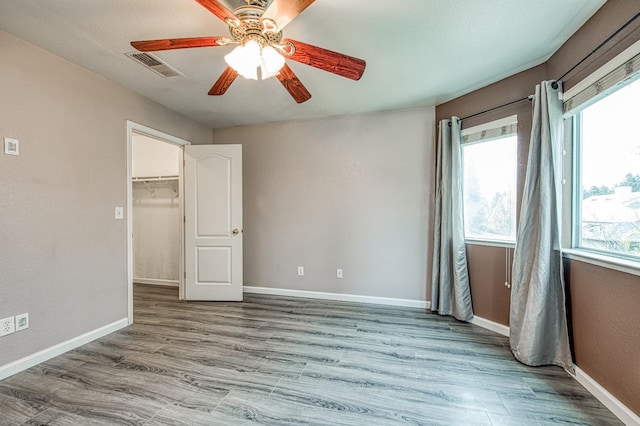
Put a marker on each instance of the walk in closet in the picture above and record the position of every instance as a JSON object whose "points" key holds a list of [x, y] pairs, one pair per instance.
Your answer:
{"points": [[156, 211]]}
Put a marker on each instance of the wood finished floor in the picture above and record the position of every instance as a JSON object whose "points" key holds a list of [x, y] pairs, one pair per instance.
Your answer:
{"points": [[288, 361]]}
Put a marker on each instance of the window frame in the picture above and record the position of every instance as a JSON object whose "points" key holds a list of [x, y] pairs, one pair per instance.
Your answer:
{"points": [[493, 125], [572, 193]]}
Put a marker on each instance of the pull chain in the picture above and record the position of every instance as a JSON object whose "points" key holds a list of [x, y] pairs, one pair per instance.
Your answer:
{"points": [[507, 269]]}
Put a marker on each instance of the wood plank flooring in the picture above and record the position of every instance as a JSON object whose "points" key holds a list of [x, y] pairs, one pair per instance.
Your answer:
{"points": [[287, 361]]}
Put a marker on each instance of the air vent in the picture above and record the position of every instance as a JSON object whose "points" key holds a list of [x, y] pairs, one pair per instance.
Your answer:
{"points": [[154, 64]]}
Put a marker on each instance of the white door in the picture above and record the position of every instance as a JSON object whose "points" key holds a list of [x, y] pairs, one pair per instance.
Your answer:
{"points": [[213, 222]]}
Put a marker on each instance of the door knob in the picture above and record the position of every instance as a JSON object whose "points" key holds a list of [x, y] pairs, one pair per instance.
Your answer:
{"points": [[236, 231]]}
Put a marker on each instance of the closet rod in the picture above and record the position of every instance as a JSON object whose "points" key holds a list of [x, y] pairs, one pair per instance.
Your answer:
{"points": [[154, 179]]}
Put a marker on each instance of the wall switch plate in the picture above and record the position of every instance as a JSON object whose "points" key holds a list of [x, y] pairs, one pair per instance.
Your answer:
{"points": [[7, 326], [338, 273], [22, 322], [119, 212], [300, 271], [11, 146]]}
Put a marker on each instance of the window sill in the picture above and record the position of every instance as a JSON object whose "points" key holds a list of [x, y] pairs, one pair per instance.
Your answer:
{"points": [[490, 243], [623, 265]]}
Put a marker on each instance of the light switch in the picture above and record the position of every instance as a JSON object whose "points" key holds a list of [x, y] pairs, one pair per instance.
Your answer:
{"points": [[119, 212], [22, 321], [11, 146]]}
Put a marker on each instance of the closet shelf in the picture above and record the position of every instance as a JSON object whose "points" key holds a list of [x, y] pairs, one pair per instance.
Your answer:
{"points": [[152, 183]]}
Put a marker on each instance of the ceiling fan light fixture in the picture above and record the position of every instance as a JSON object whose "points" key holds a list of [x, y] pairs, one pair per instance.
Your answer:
{"points": [[245, 59], [272, 62]]}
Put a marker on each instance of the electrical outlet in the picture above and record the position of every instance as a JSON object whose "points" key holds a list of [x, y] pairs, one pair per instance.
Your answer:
{"points": [[300, 271], [7, 326], [22, 322], [338, 273]]}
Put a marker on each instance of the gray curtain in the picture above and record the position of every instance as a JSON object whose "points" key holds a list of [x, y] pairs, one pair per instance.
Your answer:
{"points": [[538, 322], [450, 294]]}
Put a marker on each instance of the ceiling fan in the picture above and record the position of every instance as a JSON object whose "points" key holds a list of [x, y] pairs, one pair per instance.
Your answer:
{"points": [[257, 30]]}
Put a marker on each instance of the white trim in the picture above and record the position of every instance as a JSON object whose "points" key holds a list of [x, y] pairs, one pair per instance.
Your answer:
{"points": [[618, 264], [490, 325], [512, 119], [181, 220], [620, 410], [614, 63], [408, 303], [155, 134], [53, 351], [614, 405], [156, 281], [133, 127]]}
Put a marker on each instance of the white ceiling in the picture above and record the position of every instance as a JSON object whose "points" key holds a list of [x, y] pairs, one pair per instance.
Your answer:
{"points": [[418, 52]]}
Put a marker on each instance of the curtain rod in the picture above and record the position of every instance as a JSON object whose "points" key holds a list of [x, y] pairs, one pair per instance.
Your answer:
{"points": [[495, 108], [618, 31], [555, 83]]}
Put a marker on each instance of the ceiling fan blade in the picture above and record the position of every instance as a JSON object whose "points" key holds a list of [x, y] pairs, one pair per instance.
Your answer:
{"points": [[179, 43], [327, 60], [284, 11], [226, 79], [215, 7], [295, 88]]}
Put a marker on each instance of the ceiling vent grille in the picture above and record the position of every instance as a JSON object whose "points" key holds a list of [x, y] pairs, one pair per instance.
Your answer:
{"points": [[154, 64]]}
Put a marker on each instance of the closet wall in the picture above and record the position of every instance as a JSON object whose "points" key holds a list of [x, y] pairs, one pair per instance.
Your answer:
{"points": [[156, 211]]}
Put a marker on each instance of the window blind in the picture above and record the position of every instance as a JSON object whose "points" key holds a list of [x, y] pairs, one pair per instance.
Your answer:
{"points": [[606, 85], [490, 134]]}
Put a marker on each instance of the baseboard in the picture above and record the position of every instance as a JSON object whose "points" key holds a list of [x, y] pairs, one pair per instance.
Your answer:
{"points": [[490, 325], [53, 351], [620, 410], [407, 303], [156, 281]]}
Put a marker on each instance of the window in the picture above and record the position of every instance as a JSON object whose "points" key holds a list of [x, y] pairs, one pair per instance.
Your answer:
{"points": [[489, 157], [607, 178]]}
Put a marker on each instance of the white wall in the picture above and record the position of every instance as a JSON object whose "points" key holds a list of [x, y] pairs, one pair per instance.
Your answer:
{"points": [[349, 192], [156, 233], [63, 256], [151, 157]]}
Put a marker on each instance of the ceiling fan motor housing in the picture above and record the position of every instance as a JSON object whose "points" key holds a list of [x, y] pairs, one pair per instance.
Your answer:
{"points": [[250, 27], [260, 3]]}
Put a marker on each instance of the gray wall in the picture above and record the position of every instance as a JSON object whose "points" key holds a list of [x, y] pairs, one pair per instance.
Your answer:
{"points": [[62, 254], [350, 192]]}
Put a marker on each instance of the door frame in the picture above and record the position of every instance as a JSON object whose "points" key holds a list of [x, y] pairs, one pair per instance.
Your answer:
{"points": [[133, 127]]}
